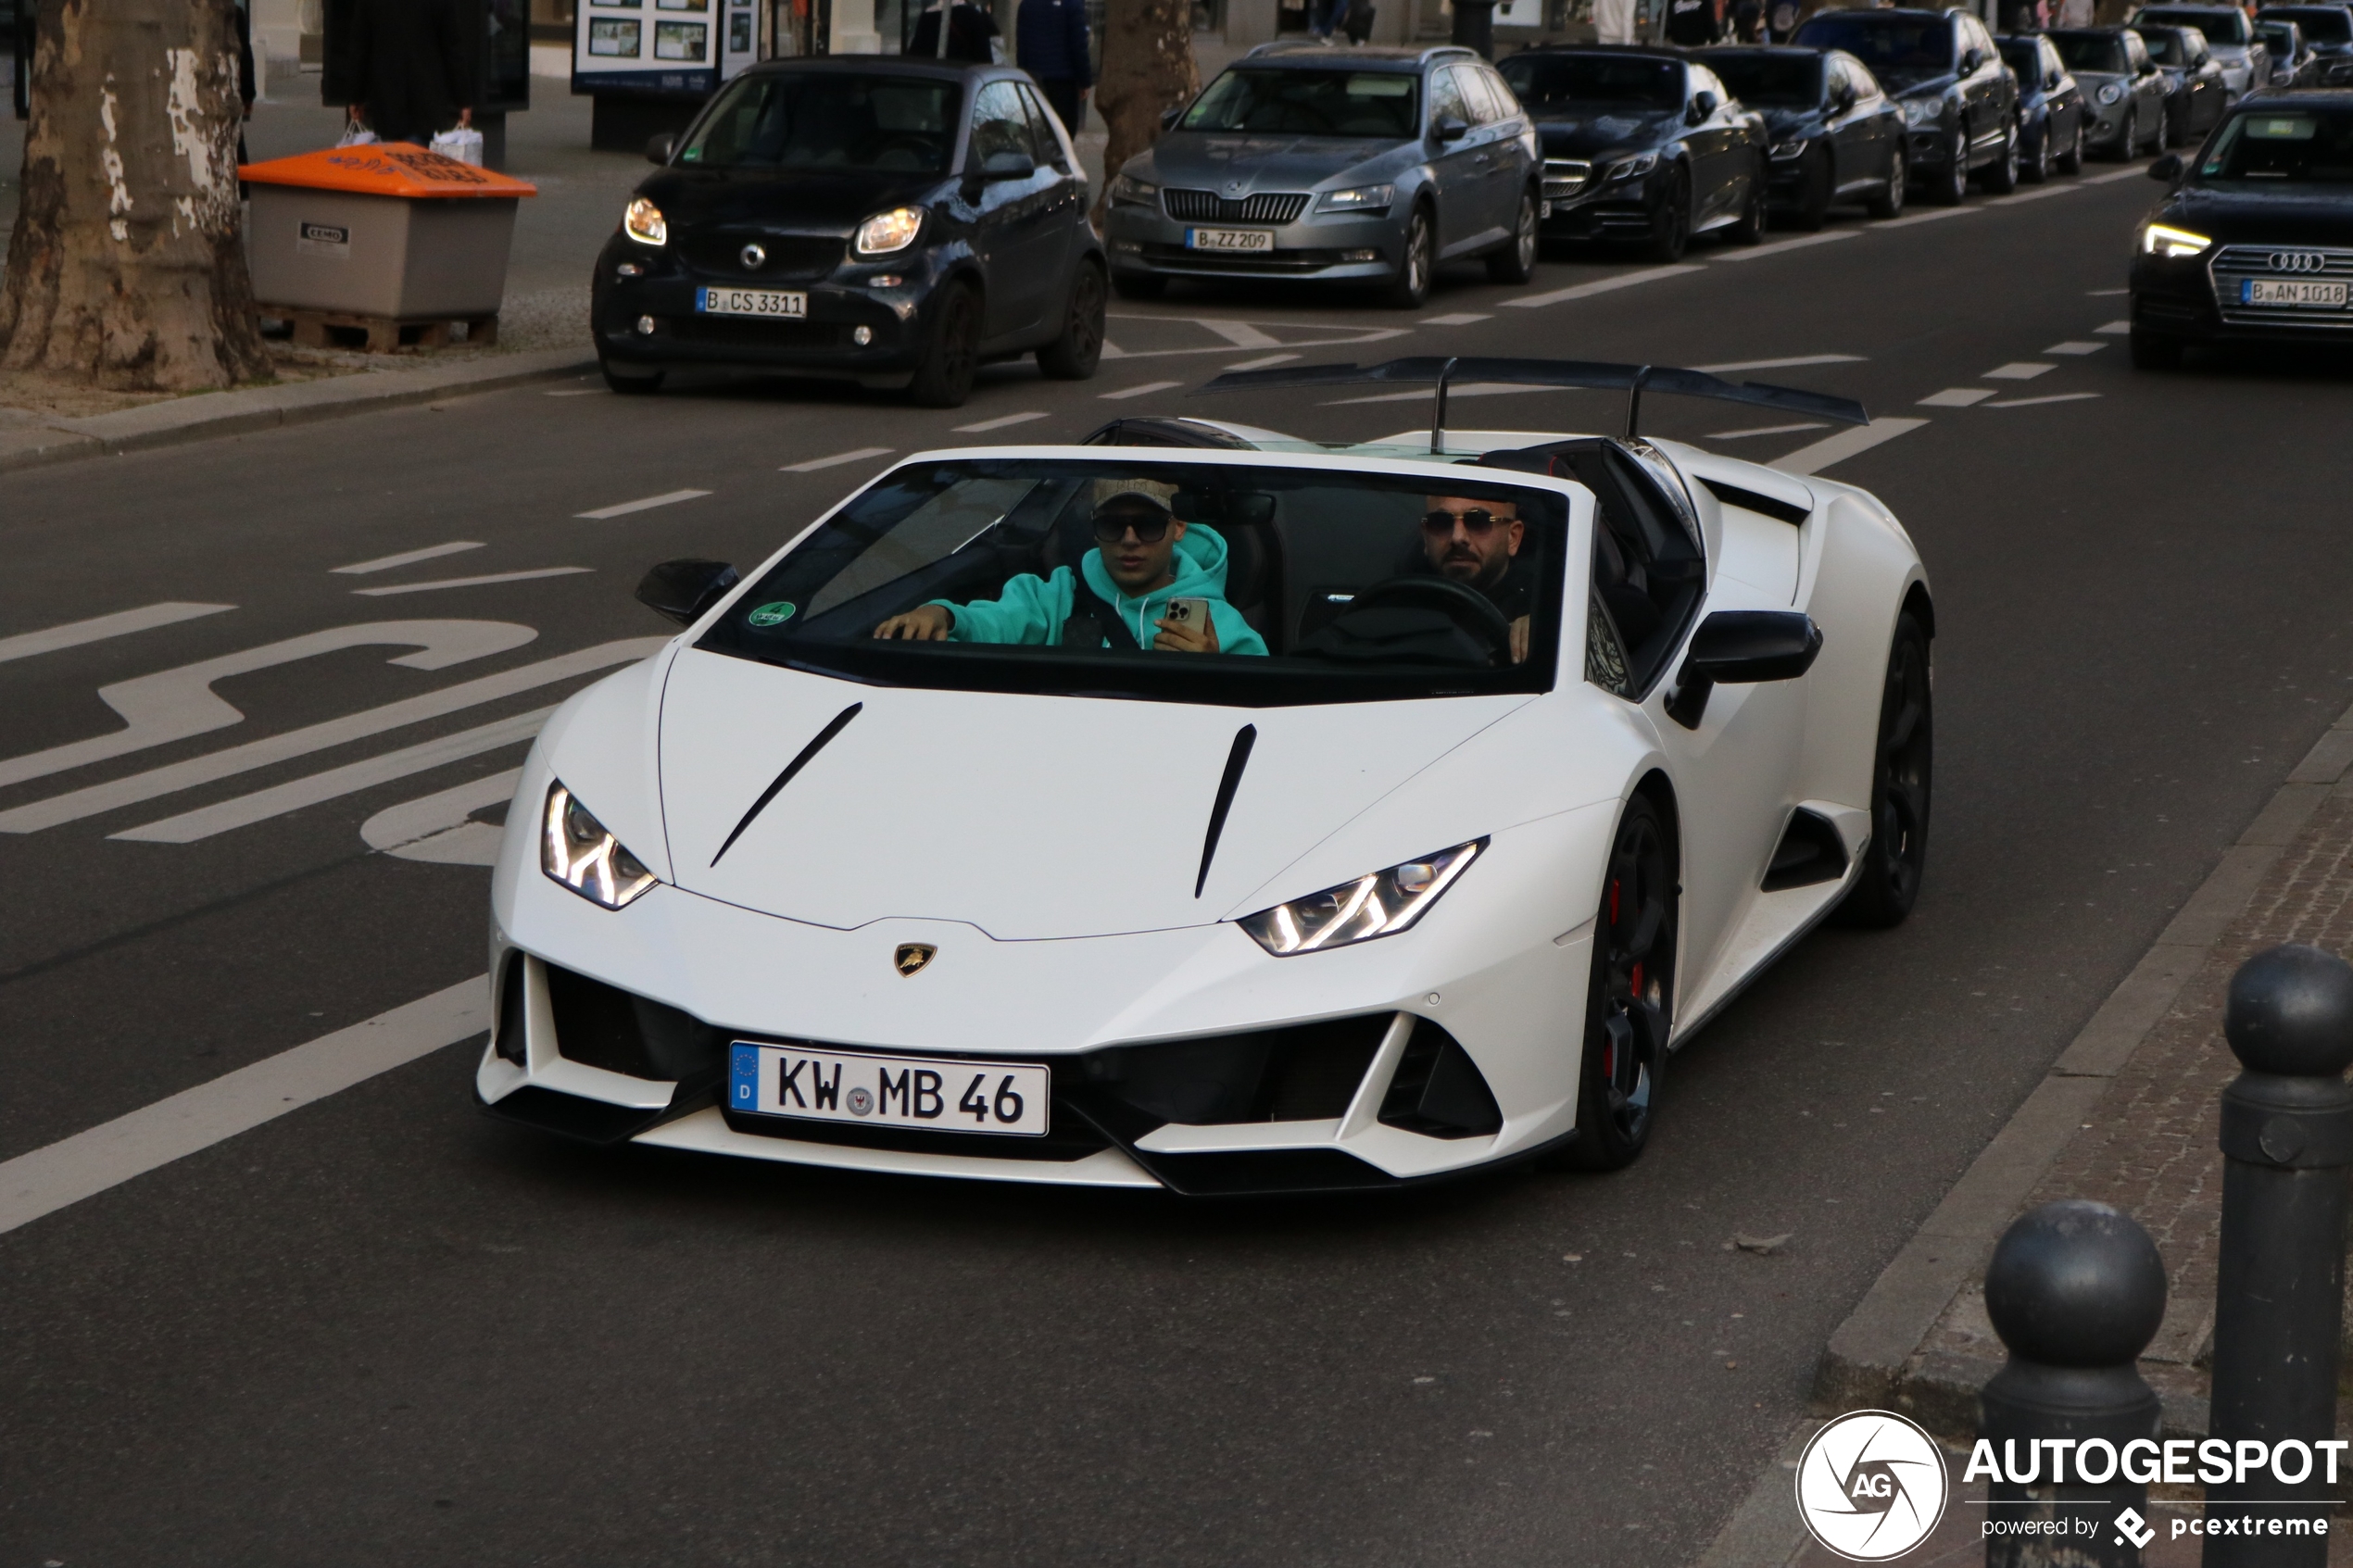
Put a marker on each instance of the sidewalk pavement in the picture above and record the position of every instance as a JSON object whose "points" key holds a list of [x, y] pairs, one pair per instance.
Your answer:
{"points": [[2128, 1115]]}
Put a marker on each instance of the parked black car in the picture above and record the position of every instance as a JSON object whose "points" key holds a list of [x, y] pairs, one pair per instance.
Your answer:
{"points": [[2246, 67], [2125, 90], [2255, 240], [2283, 41], [2196, 93], [1641, 144], [1959, 100], [1834, 135], [890, 221], [2051, 118], [2327, 30]]}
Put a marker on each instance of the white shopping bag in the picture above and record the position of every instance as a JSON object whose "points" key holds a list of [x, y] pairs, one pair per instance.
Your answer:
{"points": [[463, 143], [356, 136]]}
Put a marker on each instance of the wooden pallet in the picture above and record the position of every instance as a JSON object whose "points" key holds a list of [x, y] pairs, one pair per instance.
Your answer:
{"points": [[383, 334]]}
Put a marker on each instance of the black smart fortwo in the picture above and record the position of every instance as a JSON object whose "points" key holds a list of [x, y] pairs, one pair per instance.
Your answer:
{"points": [[894, 223]]}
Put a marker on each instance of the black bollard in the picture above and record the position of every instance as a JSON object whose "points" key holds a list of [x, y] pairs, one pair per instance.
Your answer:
{"points": [[2288, 1139], [2076, 1290]]}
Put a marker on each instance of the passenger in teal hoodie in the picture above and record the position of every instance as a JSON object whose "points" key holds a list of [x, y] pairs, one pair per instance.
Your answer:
{"points": [[1144, 557]]}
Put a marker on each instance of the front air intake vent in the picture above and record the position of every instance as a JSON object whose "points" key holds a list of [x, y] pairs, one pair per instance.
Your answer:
{"points": [[1437, 1091], [1810, 851], [600, 1025]]}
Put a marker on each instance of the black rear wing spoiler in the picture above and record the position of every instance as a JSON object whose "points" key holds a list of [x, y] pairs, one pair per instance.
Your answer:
{"points": [[1633, 380]]}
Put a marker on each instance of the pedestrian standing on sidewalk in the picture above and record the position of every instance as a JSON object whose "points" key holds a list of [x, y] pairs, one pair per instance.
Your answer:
{"points": [[408, 61], [1051, 43], [972, 35], [1614, 21], [1693, 23]]}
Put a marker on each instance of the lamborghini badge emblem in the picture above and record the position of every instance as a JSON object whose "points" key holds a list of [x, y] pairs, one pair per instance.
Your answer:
{"points": [[912, 956]]}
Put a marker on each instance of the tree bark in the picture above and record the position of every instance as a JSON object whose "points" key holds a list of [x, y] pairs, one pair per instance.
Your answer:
{"points": [[1147, 69], [126, 270]]}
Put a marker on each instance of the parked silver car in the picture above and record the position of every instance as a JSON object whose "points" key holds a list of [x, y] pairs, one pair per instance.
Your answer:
{"points": [[1370, 166]]}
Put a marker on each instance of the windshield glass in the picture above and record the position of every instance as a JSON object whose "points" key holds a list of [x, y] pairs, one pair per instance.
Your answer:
{"points": [[2092, 51], [1770, 81], [2165, 47], [2219, 26], [2329, 24], [1892, 47], [2024, 60], [1549, 80], [1133, 576], [827, 121], [2279, 37], [2313, 146], [1311, 103]]}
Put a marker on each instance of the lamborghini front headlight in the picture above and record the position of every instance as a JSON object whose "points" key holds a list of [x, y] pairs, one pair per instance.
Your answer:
{"points": [[575, 849], [1380, 905]]}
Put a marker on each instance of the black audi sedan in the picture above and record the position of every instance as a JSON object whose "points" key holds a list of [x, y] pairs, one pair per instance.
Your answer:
{"points": [[2196, 93], [895, 222], [1645, 145], [1834, 135], [1959, 100], [2254, 243], [2051, 117]]}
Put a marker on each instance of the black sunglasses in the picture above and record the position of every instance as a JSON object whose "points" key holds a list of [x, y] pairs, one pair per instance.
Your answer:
{"points": [[1439, 522], [1150, 527]]}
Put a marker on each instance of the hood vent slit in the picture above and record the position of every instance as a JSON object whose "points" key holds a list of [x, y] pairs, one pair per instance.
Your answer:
{"points": [[1236, 760], [842, 723]]}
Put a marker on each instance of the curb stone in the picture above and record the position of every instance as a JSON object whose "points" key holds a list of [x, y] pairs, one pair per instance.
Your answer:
{"points": [[37, 441]]}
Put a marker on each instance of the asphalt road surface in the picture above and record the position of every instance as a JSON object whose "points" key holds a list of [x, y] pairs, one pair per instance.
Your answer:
{"points": [[383, 1329]]}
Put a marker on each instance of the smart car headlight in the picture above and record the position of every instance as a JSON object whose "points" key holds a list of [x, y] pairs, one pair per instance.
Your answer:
{"points": [[1627, 168], [1361, 198], [2111, 92], [575, 849], [2163, 239], [643, 222], [1137, 193], [889, 231], [1380, 905], [1923, 111]]}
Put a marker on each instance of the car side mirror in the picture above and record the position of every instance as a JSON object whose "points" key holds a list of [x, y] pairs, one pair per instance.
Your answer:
{"points": [[658, 148], [1842, 97], [2167, 168], [1702, 105], [1971, 60], [1741, 647], [1008, 166], [683, 590], [1170, 116], [1450, 128]]}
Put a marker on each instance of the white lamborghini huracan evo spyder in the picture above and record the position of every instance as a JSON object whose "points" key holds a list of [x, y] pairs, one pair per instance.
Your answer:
{"points": [[1219, 811]]}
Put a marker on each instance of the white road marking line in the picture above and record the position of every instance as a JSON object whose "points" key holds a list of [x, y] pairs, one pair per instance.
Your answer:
{"points": [[1844, 444], [405, 558], [1263, 363], [471, 581], [1933, 215], [1957, 397], [2114, 328], [2031, 402], [1602, 285], [2073, 347], [2139, 170], [33, 815], [646, 503], [2019, 370], [177, 704], [578, 392], [1113, 351], [2046, 191], [60, 1174], [1000, 422], [860, 456], [1750, 253], [1459, 319], [336, 783], [1150, 387], [439, 828], [1782, 364], [2104, 293], [1239, 334], [98, 628], [1766, 430]]}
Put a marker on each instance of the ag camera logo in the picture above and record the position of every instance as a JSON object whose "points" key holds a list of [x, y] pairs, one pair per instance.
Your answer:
{"points": [[1872, 1486]]}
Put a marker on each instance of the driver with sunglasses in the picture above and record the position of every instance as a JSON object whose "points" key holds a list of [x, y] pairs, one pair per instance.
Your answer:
{"points": [[1144, 555], [1477, 543]]}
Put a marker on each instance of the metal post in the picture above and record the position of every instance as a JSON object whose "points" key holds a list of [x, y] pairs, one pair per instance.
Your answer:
{"points": [[2287, 1140], [2076, 1290]]}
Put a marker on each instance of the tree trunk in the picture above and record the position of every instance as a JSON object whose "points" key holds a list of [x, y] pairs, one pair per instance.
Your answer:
{"points": [[1147, 69], [126, 270]]}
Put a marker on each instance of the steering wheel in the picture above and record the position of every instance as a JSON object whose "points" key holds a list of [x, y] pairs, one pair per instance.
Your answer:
{"points": [[921, 147], [1465, 606]]}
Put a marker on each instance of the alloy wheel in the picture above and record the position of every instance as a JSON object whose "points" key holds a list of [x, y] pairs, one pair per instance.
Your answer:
{"points": [[1901, 777], [1632, 992]]}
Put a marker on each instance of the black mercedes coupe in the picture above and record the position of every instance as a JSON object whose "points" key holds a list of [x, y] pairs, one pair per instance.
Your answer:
{"points": [[2254, 243]]}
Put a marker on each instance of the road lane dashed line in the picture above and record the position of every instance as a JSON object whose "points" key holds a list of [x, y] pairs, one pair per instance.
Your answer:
{"points": [[578, 392], [838, 459], [643, 504], [2114, 328], [60, 1174], [2019, 370], [2104, 294], [1846, 443], [1001, 421], [2035, 402], [405, 558], [1751, 253], [98, 628], [2138, 170], [482, 582], [2075, 348], [1262, 364], [1788, 364], [1933, 215], [1149, 387], [1459, 319], [1957, 397], [1602, 285]]}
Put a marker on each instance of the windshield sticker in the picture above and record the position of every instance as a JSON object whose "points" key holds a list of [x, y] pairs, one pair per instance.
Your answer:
{"points": [[769, 615], [1380, 86], [2298, 128]]}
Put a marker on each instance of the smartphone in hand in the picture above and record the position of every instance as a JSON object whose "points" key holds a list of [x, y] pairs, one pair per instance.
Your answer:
{"points": [[1189, 613]]}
